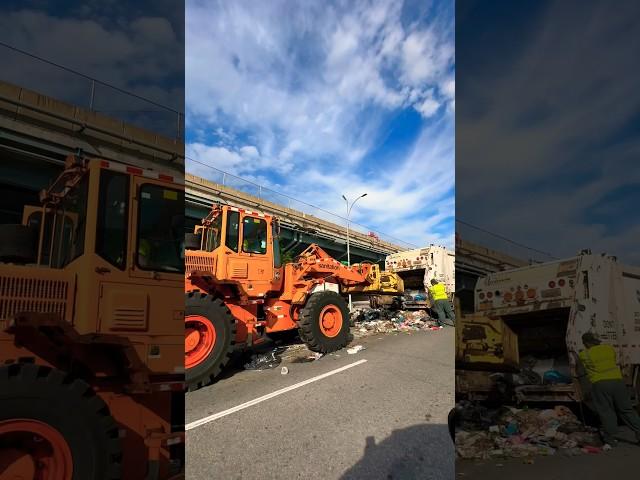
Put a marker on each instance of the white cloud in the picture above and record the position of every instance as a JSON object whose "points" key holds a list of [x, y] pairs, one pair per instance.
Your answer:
{"points": [[539, 124], [428, 107], [312, 94], [249, 151], [125, 54]]}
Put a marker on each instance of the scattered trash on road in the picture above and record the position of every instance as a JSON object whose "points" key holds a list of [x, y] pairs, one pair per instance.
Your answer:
{"points": [[354, 350], [263, 361], [284, 370], [372, 321], [512, 432]]}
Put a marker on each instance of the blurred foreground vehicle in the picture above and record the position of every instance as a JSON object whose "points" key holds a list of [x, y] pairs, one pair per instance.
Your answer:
{"points": [[90, 340]]}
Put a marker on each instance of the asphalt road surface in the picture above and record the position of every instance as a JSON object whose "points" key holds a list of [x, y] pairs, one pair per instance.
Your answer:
{"points": [[620, 463], [384, 418]]}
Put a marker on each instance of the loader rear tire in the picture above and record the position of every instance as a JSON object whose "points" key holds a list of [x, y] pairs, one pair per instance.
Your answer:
{"points": [[323, 323], [58, 423], [210, 332]]}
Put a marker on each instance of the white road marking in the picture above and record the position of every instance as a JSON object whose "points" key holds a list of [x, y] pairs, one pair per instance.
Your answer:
{"points": [[250, 403]]}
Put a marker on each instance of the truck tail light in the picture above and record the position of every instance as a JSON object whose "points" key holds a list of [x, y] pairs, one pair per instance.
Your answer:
{"points": [[561, 282], [531, 293], [552, 284]]}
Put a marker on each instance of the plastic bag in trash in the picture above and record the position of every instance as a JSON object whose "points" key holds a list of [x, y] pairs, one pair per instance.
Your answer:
{"points": [[554, 377], [263, 361]]}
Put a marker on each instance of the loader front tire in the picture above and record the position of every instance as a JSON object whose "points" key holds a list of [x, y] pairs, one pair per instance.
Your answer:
{"points": [[210, 332], [56, 425], [323, 323]]}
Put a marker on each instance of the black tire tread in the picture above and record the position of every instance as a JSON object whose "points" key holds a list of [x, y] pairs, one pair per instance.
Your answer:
{"points": [[307, 321], [60, 383], [223, 310]]}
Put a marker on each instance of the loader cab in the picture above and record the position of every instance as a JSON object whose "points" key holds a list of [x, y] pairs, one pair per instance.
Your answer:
{"points": [[118, 231], [247, 248]]}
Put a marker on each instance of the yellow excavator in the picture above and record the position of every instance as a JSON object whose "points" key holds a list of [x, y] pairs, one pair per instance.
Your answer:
{"points": [[384, 290]]}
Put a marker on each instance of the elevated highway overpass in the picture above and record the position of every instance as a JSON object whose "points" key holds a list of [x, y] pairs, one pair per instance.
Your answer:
{"points": [[37, 132], [299, 229], [474, 261]]}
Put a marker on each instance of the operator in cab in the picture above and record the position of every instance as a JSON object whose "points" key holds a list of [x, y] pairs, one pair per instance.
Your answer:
{"points": [[440, 301], [610, 395], [254, 238], [144, 253]]}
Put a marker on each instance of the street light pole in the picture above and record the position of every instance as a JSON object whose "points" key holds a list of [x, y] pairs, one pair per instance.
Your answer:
{"points": [[349, 207]]}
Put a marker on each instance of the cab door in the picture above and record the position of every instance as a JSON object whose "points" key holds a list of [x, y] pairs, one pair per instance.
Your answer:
{"points": [[138, 223], [254, 262]]}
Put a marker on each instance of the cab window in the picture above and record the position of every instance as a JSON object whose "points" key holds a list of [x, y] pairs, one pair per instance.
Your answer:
{"points": [[160, 242], [113, 211], [254, 235], [233, 235]]}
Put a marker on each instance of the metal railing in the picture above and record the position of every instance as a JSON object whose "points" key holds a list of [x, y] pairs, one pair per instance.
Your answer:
{"points": [[35, 73], [267, 194], [500, 243]]}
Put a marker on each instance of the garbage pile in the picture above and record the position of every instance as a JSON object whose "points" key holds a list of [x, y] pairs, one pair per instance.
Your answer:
{"points": [[538, 371], [483, 433], [372, 321]]}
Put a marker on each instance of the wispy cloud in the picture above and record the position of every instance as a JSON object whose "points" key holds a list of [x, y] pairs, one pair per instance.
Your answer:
{"points": [[541, 133], [137, 48], [343, 97]]}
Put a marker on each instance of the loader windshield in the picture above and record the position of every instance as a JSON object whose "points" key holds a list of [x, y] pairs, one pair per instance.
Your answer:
{"points": [[160, 243]]}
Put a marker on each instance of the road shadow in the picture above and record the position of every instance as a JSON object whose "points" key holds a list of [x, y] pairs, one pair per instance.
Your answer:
{"points": [[419, 452]]}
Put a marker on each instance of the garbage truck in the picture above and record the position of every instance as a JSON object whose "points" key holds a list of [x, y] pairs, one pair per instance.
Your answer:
{"points": [[525, 335], [91, 363], [238, 290], [417, 268]]}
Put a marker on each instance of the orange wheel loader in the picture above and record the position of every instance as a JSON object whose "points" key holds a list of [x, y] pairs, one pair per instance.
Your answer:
{"points": [[238, 290], [91, 306]]}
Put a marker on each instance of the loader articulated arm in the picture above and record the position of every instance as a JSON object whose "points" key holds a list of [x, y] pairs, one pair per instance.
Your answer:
{"points": [[315, 263]]}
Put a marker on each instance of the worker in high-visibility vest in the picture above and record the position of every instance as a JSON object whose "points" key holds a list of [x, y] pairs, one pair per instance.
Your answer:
{"points": [[610, 395], [144, 253], [440, 301]]}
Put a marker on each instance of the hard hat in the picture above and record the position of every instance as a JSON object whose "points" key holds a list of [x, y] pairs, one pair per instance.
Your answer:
{"points": [[590, 338]]}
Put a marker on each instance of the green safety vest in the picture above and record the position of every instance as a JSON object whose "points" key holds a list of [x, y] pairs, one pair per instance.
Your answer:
{"points": [[600, 363], [438, 292]]}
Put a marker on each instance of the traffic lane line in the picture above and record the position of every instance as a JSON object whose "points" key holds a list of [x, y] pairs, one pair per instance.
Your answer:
{"points": [[250, 403], [245, 385]]}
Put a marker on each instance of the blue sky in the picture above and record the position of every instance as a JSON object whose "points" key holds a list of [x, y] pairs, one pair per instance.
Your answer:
{"points": [[319, 99], [547, 124], [136, 46]]}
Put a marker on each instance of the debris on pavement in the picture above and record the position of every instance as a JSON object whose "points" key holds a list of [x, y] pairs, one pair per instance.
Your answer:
{"points": [[372, 321], [354, 350], [284, 370], [484, 433], [263, 361]]}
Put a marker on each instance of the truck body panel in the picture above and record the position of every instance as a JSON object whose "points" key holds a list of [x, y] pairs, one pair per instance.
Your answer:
{"points": [[549, 307]]}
